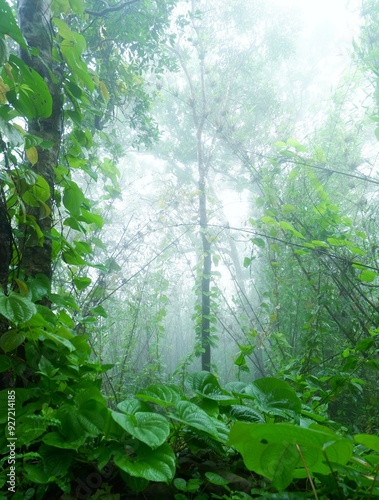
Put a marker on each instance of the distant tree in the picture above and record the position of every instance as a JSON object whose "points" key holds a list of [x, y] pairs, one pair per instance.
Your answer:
{"points": [[225, 107]]}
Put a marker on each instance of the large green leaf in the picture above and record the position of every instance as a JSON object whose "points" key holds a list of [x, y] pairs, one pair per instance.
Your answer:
{"points": [[193, 416], [16, 308], [159, 394], [273, 394], [31, 97], [58, 441], [92, 415], [132, 406], [56, 462], [368, 440], [38, 193], [36, 474], [205, 384], [246, 414], [10, 340], [5, 363], [73, 197], [279, 451], [150, 428], [72, 47], [9, 26], [154, 465]]}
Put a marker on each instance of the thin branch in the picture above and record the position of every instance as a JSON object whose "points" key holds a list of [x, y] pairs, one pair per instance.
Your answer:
{"points": [[115, 8], [307, 470]]}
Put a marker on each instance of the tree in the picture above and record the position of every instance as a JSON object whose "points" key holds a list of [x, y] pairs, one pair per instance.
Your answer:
{"points": [[56, 90], [224, 102]]}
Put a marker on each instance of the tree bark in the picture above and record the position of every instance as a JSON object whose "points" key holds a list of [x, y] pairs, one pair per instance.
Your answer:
{"points": [[35, 23]]}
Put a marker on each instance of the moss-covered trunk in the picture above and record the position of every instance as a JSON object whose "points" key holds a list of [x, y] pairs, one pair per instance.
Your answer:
{"points": [[35, 23]]}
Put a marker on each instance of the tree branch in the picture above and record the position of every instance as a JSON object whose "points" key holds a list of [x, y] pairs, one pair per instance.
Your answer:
{"points": [[115, 8]]}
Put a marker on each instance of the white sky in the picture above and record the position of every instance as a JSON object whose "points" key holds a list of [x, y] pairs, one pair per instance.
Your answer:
{"points": [[331, 25]]}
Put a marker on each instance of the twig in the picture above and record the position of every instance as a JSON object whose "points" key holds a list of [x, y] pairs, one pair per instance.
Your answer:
{"points": [[307, 470], [115, 8]]}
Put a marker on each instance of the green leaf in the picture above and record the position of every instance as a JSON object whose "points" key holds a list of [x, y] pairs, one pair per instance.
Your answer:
{"points": [[180, 484], [136, 484], [37, 193], [246, 414], [11, 340], [56, 462], [203, 382], [368, 440], [77, 7], [132, 406], [73, 258], [82, 282], [91, 218], [260, 242], [286, 225], [9, 26], [33, 98], [247, 261], [319, 243], [58, 441], [150, 428], [154, 465], [16, 308], [216, 479], [72, 48], [364, 344], [273, 394], [73, 197], [267, 219], [38, 286], [160, 394], [36, 474], [295, 144], [288, 209], [190, 414], [5, 362], [367, 276], [273, 450], [92, 416]]}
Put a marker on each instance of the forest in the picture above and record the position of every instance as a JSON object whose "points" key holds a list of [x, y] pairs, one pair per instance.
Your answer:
{"points": [[189, 249]]}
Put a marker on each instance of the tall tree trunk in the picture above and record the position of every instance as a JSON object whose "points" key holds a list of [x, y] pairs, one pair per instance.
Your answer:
{"points": [[207, 261], [35, 23]]}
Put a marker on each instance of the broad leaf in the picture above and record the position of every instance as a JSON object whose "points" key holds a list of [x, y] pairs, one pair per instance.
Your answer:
{"points": [[58, 441], [206, 384], [278, 451], [38, 193], [16, 308], [153, 465], [193, 416], [273, 394], [368, 440], [33, 98], [162, 395], [9, 26], [11, 340], [150, 428], [132, 406]]}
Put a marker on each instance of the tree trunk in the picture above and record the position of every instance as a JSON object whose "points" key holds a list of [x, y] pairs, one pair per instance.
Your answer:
{"points": [[207, 268], [35, 23]]}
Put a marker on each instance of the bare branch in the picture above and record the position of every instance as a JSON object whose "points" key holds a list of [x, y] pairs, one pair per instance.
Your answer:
{"points": [[115, 8]]}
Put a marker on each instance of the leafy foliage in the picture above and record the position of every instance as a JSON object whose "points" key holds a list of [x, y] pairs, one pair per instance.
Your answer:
{"points": [[60, 177]]}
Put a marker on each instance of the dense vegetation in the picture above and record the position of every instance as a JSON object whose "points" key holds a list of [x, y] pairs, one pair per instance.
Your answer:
{"points": [[155, 343]]}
